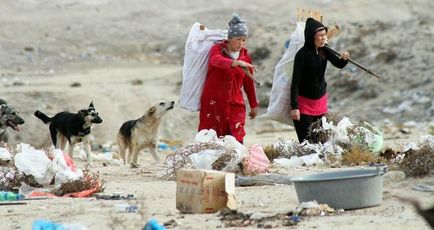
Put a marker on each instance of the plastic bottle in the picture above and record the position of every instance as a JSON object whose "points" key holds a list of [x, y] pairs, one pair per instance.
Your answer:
{"points": [[10, 196], [153, 225]]}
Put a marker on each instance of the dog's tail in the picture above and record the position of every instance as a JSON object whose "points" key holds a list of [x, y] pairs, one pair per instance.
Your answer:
{"points": [[42, 117]]}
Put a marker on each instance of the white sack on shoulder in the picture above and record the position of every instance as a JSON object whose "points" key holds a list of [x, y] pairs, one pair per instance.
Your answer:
{"points": [[280, 98], [195, 68]]}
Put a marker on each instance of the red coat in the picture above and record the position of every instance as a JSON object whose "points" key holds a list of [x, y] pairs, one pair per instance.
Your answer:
{"points": [[222, 105]]}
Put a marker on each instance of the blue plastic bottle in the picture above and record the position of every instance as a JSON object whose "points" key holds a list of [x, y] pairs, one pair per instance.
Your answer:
{"points": [[153, 225], [10, 196]]}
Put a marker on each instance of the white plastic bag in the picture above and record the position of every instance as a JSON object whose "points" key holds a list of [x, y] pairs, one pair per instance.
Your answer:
{"points": [[205, 159], [5, 155], [64, 173], [280, 98], [34, 162], [194, 72]]}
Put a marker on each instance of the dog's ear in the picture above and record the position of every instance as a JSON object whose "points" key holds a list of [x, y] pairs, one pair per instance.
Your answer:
{"points": [[151, 110], [91, 104]]}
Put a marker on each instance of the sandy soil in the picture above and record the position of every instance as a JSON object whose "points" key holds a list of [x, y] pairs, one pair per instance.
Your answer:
{"points": [[127, 54]]}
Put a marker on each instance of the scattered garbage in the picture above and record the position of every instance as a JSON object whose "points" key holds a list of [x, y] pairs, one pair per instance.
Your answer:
{"points": [[312, 208], [224, 154], [234, 218], [10, 196], [126, 208], [153, 224], [259, 180], [50, 225], [36, 173], [115, 197], [424, 187]]}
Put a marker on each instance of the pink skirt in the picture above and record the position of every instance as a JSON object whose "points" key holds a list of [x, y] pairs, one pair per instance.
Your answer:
{"points": [[313, 107]]}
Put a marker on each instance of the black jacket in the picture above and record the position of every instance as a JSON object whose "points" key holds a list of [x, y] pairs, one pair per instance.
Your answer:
{"points": [[310, 65]]}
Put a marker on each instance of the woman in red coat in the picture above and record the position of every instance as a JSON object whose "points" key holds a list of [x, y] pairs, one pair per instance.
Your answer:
{"points": [[222, 103]]}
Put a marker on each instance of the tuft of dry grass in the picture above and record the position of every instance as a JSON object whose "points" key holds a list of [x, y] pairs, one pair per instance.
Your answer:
{"points": [[357, 155], [418, 162], [271, 152], [90, 180]]}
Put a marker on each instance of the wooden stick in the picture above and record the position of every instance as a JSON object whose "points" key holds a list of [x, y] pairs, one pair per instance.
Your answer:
{"points": [[354, 62]]}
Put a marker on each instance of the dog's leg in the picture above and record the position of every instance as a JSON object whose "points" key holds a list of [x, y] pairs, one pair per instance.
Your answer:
{"points": [[70, 149], [132, 158], [122, 148], [153, 150], [53, 133], [86, 143], [62, 141]]}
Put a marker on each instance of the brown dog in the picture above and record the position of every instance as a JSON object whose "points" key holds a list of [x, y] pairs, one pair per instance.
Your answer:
{"points": [[135, 135]]}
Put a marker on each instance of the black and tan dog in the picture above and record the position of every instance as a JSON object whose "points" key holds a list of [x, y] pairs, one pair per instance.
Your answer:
{"points": [[72, 127], [8, 118], [135, 135]]}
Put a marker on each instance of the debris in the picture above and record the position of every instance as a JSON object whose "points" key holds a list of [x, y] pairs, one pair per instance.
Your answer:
{"points": [[256, 161], [153, 225], [126, 208], [419, 162], [259, 180], [424, 187], [90, 182], [233, 218], [115, 197]]}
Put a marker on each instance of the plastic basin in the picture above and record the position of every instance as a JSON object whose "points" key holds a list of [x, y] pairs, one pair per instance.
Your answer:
{"points": [[347, 189]]}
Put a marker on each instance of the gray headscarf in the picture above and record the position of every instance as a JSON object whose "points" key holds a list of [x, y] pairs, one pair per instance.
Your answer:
{"points": [[237, 27]]}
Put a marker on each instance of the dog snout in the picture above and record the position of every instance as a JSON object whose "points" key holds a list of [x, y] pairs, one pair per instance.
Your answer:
{"points": [[19, 121], [172, 103], [97, 120]]}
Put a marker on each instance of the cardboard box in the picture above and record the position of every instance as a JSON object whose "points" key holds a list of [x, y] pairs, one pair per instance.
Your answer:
{"points": [[204, 191]]}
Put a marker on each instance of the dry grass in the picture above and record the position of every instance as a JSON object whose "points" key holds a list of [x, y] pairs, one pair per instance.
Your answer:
{"points": [[356, 155], [89, 181], [271, 152], [419, 162]]}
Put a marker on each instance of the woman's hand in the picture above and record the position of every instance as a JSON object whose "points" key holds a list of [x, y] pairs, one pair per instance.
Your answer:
{"points": [[345, 55], [244, 64], [295, 114], [253, 112]]}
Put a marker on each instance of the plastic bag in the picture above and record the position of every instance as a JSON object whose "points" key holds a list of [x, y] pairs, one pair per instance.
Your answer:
{"points": [[5, 155], [194, 72], [205, 159], [34, 162], [257, 161], [65, 168], [280, 98]]}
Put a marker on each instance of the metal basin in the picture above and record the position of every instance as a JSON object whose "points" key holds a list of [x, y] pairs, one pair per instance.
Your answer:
{"points": [[347, 189]]}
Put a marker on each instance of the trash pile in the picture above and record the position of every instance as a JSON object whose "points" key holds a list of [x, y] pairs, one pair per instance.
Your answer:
{"points": [[33, 172], [213, 153], [332, 138]]}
